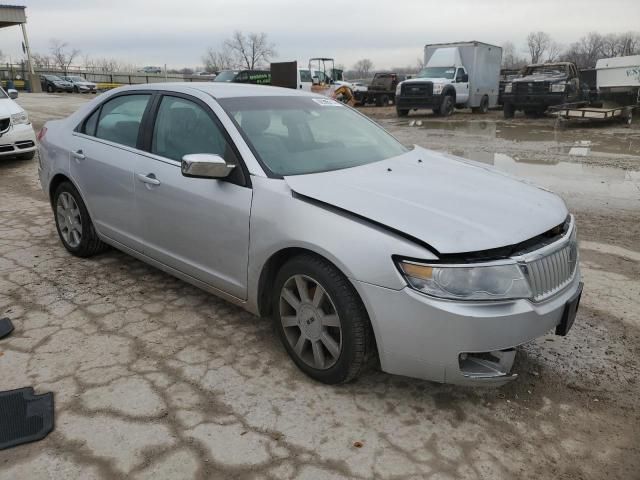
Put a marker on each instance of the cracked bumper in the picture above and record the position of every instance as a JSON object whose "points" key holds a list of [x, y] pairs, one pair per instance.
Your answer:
{"points": [[423, 337]]}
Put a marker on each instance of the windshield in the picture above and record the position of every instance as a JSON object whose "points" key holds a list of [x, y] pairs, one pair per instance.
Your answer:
{"points": [[298, 135], [3, 94], [547, 70], [76, 79], [437, 72], [53, 78], [305, 76], [226, 76]]}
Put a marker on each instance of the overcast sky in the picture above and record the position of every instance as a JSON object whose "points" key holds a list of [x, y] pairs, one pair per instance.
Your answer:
{"points": [[390, 33]]}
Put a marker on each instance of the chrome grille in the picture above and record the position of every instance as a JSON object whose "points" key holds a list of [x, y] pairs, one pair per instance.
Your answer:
{"points": [[553, 271]]}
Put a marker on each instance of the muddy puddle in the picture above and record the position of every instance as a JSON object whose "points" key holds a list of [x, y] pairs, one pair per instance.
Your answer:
{"points": [[591, 167]]}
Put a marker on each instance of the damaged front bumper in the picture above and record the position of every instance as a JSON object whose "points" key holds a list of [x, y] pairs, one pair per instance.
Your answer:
{"points": [[464, 343]]}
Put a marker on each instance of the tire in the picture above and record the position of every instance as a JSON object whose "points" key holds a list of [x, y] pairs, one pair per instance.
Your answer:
{"points": [[334, 352], [76, 90], [401, 112], [436, 111], [88, 244], [50, 88], [379, 101], [447, 106], [484, 105], [508, 110], [27, 156]]}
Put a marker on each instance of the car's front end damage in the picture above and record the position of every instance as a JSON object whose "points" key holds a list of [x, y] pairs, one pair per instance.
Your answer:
{"points": [[16, 132], [497, 268], [464, 341]]}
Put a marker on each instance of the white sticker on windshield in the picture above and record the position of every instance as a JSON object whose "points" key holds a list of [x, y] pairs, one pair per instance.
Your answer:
{"points": [[326, 102]]}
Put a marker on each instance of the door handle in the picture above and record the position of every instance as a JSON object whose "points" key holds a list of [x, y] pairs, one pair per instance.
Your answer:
{"points": [[78, 155], [149, 179]]}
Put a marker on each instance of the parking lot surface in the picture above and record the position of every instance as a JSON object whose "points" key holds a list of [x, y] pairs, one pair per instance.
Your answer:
{"points": [[154, 378]]}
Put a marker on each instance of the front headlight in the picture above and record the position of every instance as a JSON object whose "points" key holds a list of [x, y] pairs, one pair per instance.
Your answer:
{"points": [[437, 88], [557, 87], [467, 282], [508, 87], [20, 118], [398, 89]]}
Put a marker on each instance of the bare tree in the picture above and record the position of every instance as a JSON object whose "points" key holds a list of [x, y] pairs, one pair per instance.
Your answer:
{"points": [[62, 56], [42, 61], [510, 57], [251, 50], [554, 50], [538, 43], [363, 67], [216, 60], [420, 63]]}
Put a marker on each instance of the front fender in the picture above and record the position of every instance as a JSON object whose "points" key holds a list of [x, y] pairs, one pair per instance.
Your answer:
{"points": [[360, 249]]}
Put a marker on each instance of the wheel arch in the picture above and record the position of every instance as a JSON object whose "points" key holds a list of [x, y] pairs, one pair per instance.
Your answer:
{"points": [[273, 265], [449, 91]]}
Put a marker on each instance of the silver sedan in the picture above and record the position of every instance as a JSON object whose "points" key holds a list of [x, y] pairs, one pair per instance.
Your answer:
{"points": [[298, 208]]}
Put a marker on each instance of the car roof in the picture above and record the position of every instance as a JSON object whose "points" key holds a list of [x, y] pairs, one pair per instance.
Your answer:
{"points": [[222, 89]]}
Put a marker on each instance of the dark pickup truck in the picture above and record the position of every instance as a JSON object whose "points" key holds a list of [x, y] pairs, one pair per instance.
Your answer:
{"points": [[542, 86], [381, 91]]}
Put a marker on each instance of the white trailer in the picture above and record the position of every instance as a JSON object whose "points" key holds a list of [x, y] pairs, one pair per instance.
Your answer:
{"points": [[618, 84]]}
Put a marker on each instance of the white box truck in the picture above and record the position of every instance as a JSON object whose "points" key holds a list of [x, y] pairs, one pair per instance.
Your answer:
{"points": [[456, 75]]}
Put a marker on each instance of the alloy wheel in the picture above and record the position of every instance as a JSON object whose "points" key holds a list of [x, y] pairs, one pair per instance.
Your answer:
{"points": [[69, 219], [310, 322]]}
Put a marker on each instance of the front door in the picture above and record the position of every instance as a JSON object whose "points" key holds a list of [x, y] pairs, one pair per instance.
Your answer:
{"points": [[199, 227], [462, 87], [103, 157]]}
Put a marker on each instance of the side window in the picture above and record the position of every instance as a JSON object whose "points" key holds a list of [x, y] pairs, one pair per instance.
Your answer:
{"points": [[120, 119], [90, 124], [184, 127], [459, 74]]}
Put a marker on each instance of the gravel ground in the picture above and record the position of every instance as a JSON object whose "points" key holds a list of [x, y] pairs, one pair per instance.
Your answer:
{"points": [[154, 378]]}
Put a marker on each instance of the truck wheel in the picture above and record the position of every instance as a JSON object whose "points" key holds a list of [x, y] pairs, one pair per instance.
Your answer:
{"points": [[436, 111], [484, 105], [379, 101], [50, 88], [509, 110], [446, 108], [385, 100], [401, 112]]}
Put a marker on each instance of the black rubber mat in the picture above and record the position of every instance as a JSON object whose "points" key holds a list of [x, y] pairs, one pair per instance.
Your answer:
{"points": [[24, 417], [6, 327]]}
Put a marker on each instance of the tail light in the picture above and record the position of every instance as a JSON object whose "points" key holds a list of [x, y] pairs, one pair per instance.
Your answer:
{"points": [[41, 133]]}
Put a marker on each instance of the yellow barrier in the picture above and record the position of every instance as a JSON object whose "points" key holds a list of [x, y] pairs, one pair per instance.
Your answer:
{"points": [[19, 84], [108, 86]]}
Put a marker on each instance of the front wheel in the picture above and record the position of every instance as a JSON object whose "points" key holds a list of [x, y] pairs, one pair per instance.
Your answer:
{"points": [[50, 88], [321, 320], [447, 106], [401, 112], [509, 110], [74, 224]]}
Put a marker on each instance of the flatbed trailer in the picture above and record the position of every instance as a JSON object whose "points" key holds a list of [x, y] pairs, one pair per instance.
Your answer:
{"points": [[586, 111]]}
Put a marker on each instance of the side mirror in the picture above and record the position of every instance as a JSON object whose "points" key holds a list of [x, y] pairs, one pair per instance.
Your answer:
{"points": [[13, 93], [465, 78], [205, 165]]}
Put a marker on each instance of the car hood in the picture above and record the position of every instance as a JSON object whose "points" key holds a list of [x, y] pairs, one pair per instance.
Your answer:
{"points": [[422, 80], [8, 107], [454, 205]]}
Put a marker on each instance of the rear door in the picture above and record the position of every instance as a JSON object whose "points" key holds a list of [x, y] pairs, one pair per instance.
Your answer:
{"points": [[199, 227], [103, 155]]}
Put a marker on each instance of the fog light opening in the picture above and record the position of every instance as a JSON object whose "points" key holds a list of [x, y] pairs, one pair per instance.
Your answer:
{"points": [[486, 364]]}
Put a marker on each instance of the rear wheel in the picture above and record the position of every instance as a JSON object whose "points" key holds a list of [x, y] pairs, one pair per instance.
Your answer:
{"points": [[74, 224], [508, 110], [484, 106], [401, 112], [321, 320], [447, 106]]}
